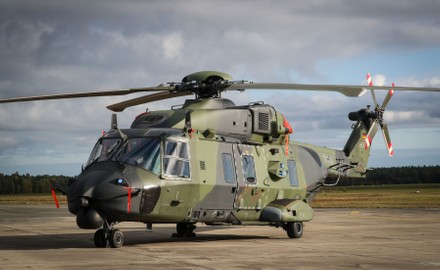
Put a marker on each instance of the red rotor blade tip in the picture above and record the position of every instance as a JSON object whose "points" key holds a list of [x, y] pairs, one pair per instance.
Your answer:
{"points": [[369, 80], [390, 149], [392, 89], [368, 142]]}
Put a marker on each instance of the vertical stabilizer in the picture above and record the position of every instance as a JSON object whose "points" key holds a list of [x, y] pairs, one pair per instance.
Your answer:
{"points": [[357, 150]]}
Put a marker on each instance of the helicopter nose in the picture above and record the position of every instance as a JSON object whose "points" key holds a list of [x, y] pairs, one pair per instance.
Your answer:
{"points": [[105, 192], [90, 188]]}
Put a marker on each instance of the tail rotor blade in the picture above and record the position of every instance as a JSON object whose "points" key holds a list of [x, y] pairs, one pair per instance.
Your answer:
{"points": [[370, 83], [388, 97], [386, 136], [370, 135]]}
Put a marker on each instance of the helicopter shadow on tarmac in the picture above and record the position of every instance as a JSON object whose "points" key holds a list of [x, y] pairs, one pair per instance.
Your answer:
{"points": [[41, 241]]}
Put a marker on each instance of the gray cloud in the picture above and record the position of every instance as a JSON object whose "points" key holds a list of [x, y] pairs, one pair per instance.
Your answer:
{"points": [[63, 46]]}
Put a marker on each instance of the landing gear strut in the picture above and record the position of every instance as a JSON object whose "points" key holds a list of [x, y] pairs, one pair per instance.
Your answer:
{"points": [[108, 235]]}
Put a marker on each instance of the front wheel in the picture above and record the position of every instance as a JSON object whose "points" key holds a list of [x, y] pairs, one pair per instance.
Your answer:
{"points": [[116, 238], [294, 229], [100, 239]]}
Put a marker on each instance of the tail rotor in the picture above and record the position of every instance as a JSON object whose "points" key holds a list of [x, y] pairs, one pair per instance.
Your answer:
{"points": [[377, 117]]}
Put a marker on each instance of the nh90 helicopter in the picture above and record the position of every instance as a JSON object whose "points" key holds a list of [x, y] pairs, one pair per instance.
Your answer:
{"points": [[210, 161]]}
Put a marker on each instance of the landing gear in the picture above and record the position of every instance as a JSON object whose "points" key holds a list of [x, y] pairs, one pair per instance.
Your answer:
{"points": [[294, 229], [185, 230], [100, 239], [116, 238], [106, 235]]}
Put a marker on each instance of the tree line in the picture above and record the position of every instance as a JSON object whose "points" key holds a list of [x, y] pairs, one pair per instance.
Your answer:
{"points": [[25, 183], [397, 175]]}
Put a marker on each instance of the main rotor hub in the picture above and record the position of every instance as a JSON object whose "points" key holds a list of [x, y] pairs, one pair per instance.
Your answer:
{"points": [[207, 76], [205, 83]]}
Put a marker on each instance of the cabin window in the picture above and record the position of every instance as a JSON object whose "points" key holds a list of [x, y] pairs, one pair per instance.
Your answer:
{"points": [[293, 176], [176, 159], [228, 168], [249, 170]]}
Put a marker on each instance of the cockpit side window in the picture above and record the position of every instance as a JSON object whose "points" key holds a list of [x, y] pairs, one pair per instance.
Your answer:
{"points": [[176, 159]]}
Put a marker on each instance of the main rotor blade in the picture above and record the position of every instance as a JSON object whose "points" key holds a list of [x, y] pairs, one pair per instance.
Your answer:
{"points": [[119, 107], [104, 93], [348, 90], [403, 88], [386, 136]]}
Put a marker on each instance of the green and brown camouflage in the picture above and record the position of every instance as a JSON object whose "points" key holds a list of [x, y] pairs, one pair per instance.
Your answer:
{"points": [[238, 168]]}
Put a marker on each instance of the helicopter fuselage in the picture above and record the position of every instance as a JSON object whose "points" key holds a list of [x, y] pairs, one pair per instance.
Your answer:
{"points": [[209, 161]]}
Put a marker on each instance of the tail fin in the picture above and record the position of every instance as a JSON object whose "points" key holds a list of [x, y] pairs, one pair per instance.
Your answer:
{"points": [[357, 148]]}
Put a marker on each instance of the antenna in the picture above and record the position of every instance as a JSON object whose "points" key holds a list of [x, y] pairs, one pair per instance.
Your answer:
{"points": [[114, 122], [114, 126]]}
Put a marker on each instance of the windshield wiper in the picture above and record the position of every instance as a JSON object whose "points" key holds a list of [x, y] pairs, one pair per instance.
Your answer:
{"points": [[121, 153], [111, 149]]}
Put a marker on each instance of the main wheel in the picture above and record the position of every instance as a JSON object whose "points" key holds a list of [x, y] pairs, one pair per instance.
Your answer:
{"points": [[181, 228], [185, 229], [294, 229], [116, 238], [100, 239]]}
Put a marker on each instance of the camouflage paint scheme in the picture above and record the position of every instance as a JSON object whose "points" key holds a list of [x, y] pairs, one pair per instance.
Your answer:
{"points": [[208, 161], [210, 128]]}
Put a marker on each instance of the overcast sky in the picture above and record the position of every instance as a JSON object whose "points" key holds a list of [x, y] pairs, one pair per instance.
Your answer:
{"points": [[66, 46]]}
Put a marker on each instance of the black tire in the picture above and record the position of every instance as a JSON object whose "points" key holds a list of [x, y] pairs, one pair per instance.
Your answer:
{"points": [[294, 229], [100, 239], [185, 229], [116, 238], [181, 228]]}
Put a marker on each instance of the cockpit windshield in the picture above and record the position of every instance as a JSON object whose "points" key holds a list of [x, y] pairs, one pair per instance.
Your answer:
{"points": [[140, 152], [145, 153], [103, 150]]}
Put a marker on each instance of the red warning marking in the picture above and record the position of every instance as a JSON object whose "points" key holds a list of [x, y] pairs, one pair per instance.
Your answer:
{"points": [[54, 195], [128, 199]]}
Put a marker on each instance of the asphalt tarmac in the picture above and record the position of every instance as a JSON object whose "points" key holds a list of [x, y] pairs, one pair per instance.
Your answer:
{"points": [[43, 237]]}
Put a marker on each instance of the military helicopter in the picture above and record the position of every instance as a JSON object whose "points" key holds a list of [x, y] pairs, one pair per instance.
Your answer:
{"points": [[211, 161]]}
